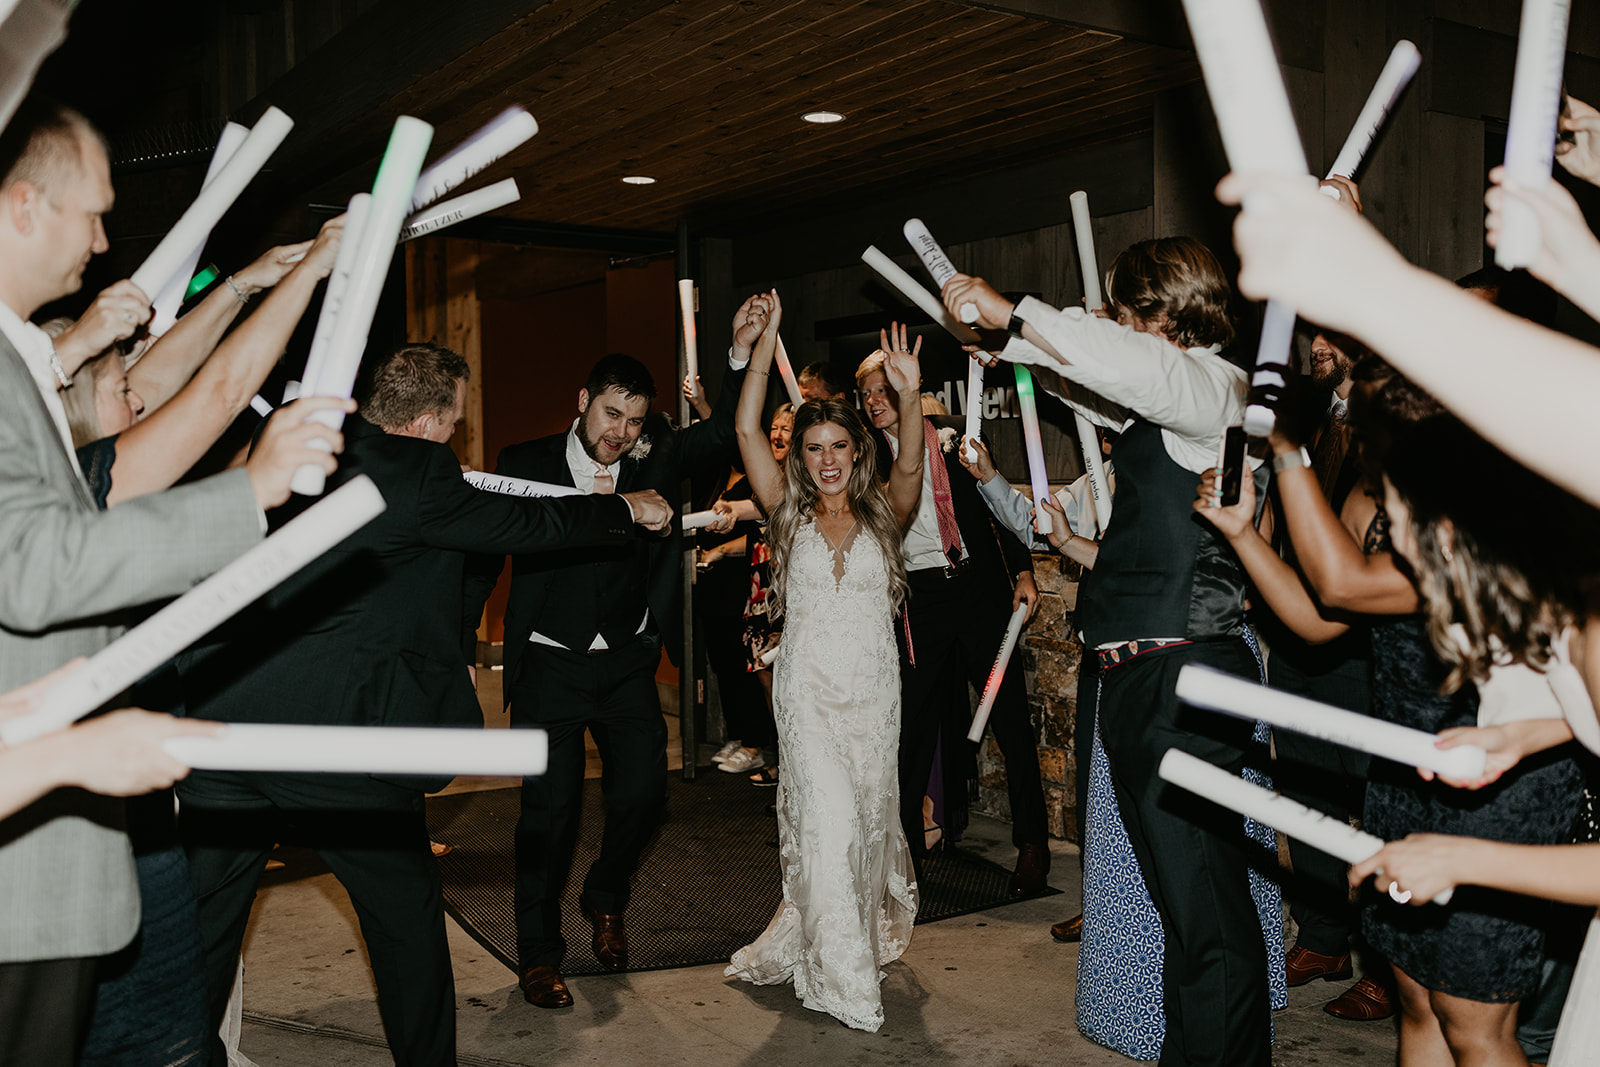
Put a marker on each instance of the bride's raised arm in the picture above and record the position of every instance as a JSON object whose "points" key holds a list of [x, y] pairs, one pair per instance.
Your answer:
{"points": [[756, 323], [904, 375]]}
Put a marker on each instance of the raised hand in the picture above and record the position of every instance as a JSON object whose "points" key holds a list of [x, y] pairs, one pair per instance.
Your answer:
{"points": [[901, 368], [1235, 519], [1569, 254], [994, 310], [286, 445], [1349, 193], [1581, 156], [749, 321], [695, 394], [1060, 529], [116, 314], [982, 467]]}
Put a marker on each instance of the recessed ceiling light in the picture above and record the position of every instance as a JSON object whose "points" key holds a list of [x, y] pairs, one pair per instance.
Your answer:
{"points": [[822, 117], [639, 179]]}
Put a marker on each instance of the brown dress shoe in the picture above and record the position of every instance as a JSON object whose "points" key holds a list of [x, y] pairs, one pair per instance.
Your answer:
{"points": [[1069, 931], [543, 987], [1033, 865], [610, 939], [1301, 965], [1365, 1001]]}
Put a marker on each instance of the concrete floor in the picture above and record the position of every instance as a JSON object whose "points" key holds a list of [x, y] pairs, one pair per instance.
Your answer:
{"points": [[989, 988]]}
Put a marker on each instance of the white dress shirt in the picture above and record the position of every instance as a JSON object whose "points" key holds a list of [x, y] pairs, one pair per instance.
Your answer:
{"points": [[923, 547], [1115, 373], [35, 348]]}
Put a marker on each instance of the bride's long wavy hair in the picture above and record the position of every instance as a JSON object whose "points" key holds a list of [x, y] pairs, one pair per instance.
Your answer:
{"points": [[868, 502]]}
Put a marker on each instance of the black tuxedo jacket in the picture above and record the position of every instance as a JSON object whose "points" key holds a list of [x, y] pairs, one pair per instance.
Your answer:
{"points": [[992, 549], [541, 582], [375, 632]]}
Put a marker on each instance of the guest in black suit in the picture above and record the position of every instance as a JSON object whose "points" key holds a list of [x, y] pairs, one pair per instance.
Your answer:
{"points": [[374, 633], [962, 595], [584, 632]]}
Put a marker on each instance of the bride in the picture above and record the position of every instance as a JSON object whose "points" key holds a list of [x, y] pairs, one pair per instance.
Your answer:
{"points": [[849, 895]]}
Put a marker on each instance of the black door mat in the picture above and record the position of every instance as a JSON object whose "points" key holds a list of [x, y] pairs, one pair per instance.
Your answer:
{"points": [[708, 883]]}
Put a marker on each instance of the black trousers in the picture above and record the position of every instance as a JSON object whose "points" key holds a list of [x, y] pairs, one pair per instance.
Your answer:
{"points": [[1192, 856], [613, 695], [1330, 778], [44, 1011], [374, 838], [957, 625], [744, 703], [1083, 741]]}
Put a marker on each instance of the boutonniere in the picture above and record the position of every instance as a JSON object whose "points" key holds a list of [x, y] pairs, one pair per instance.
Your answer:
{"points": [[947, 439], [641, 449]]}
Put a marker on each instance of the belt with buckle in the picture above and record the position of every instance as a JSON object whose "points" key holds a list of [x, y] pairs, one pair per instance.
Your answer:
{"points": [[1110, 657], [961, 567]]}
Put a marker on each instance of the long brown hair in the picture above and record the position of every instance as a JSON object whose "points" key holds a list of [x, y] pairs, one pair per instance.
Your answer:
{"points": [[868, 501], [1177, 277]]}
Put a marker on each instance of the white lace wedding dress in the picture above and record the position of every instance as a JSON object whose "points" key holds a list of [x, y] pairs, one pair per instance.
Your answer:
{"points": [[849, 895]]}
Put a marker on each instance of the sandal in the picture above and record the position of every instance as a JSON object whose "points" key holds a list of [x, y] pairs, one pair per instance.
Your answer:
{"points": [[766, 777], [932, 836]]}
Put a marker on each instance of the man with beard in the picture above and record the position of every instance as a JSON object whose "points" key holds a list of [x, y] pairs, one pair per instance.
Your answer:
{"points": [[584, 632]]}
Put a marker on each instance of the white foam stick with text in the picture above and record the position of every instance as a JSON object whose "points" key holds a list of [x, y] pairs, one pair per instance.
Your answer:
{"points": [[786, 372], [500, 483], [199, 611], [502, 134], [391, 193], [1258, 134], [355, 217], [1531, 128], [445, 213], [1088, 440], [365, 750], [1334, 836], [1246, 699], [912, 290], [691, 354], [938, 264], [997, 673], [164, 308], [196, 224], [1397, 73], [699, 520], [1033, 444]]}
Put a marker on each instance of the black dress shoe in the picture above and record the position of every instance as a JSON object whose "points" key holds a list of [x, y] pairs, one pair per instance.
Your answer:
{"points": [[1069, 930], [610, 939], [543, 987], [1033, 867]]}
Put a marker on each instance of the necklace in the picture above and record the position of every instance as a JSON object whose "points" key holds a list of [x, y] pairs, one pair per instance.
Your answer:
{"points": [[834, 513]]}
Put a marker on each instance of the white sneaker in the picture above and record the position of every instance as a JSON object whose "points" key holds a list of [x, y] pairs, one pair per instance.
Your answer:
{"points": [[725, 751], [742, 762]]}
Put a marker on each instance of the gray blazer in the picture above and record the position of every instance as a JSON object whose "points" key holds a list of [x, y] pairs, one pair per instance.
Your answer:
{"points": [[67, 886]]}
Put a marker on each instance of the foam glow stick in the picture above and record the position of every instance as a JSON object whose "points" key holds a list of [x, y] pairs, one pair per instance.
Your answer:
{"points": [[1259, 134], [997, 673], [1088, 440], [32, 30], [164, 308], [786, 372], [1334, 836], [909, 288], [1403, 62], [1028, 407], [503, 133], [1243, 698], [365, 750], [196, 224], [391, 193], [974, 410], [199, 611], [699, 520], [501, 483], [1531, 129], [355, 218], [459, 209], [936, 261], [691, 355], [260, 406], [769, 656]]}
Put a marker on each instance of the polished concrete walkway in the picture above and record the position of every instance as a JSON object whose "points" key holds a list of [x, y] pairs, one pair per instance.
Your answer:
{"points": [[990, 988]]}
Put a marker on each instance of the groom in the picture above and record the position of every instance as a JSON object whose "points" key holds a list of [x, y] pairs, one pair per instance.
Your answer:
{"points": [[584, 633], [960, 569]]}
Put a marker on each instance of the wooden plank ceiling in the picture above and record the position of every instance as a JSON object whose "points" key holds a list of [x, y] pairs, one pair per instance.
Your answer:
{"points": [[706, 96]]}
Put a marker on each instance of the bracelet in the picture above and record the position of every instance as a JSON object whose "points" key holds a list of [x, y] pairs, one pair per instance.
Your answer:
{"points": [[234, 288], [760, 372], [1291, 461], [60, 370], [1014, 327]]}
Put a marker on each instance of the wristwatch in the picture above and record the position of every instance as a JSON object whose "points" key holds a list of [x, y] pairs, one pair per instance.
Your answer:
{"points": [[1291, 460]]}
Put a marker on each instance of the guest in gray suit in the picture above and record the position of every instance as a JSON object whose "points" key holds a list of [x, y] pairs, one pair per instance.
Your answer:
{"points": [[67, 889]]}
